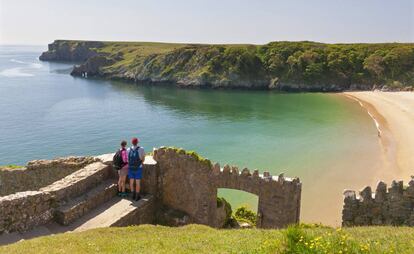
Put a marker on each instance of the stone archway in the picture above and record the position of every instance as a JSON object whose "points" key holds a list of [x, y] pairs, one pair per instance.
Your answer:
{"points": [[189, 183], [236, 199]]}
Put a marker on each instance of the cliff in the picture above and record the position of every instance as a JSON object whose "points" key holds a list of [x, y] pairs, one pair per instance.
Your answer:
{"points": [[74, 51], [287, 66]]}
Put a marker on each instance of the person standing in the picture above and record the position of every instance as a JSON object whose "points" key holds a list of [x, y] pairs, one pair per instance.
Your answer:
{"points": [[136, 157], [120, 162]]}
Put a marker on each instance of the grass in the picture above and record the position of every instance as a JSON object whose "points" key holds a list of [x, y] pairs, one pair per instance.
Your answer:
{"points": [[203, 239], [10, 166]]}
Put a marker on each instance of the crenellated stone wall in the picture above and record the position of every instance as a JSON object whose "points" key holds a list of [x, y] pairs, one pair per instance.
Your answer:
{"points": [[392, 206], [39, 173], [173, 179], [189, 183]]}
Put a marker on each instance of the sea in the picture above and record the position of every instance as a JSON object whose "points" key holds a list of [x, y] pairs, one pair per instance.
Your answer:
{"points": [[326, 139]]}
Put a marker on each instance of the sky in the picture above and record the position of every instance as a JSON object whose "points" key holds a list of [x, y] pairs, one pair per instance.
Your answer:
{"points": [[38, 22]]}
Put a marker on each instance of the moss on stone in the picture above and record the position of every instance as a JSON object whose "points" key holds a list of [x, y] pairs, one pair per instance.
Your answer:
{"points": [[192, 154]]}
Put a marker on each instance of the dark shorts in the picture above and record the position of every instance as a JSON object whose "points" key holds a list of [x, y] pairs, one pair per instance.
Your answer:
{"points": [[134, 173]]}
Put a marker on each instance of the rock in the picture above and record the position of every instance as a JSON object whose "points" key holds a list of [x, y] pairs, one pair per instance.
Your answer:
{"points": [[74, 51], [273, 83], [92, 66], [172, 217], [244, 225]]}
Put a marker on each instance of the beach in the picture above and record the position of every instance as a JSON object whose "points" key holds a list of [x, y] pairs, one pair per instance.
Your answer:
{"points": [[393, 113]]}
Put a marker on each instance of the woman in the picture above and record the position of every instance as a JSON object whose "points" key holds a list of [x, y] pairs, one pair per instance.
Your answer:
{"points": [[123, 172]]}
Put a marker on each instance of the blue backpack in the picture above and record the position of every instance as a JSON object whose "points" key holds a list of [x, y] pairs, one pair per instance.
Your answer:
{"points": [[134, 161]]}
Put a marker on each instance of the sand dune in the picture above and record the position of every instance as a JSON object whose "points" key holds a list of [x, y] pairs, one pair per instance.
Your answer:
{"points": [[394, 112]]}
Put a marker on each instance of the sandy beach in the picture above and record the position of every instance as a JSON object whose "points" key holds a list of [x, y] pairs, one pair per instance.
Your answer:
{"points": [[393, 113]]}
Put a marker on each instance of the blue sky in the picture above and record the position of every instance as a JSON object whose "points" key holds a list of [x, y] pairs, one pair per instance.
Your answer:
{"points": [[213, 21]]}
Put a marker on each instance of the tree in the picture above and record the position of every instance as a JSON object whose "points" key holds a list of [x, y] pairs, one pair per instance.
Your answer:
{"points": [[374, 64], [398, 60]]}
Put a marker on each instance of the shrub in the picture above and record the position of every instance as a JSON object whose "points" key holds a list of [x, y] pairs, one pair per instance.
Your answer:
{"points": [[243, 214]]}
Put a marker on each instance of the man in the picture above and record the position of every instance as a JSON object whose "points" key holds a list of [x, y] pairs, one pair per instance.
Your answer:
{"points": [[136, 157]]}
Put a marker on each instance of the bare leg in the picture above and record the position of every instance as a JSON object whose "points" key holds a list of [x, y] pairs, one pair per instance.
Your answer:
{"points": [[119, 183], [137, 185], [131, 185], [123, 180]]}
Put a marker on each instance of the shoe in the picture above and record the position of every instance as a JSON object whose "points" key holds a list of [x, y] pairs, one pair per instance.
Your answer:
{"points": [[119, 194], [134, 195], [124, 194], [138, 197]]}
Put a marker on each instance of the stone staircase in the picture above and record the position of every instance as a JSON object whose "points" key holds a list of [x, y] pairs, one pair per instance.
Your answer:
{"points": [[86, 199], [79, 206], [117, 212]]}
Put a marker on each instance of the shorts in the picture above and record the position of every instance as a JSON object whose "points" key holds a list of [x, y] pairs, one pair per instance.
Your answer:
{"points": [[134, 173], [123, 171]]}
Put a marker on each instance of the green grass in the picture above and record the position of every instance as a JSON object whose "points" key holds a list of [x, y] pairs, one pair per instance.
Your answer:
{"points": [[203, 239], [10, 166]]}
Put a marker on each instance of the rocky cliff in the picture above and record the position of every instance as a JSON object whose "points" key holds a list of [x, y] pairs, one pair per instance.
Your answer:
{"points": [[286, 66], [73, 51]]}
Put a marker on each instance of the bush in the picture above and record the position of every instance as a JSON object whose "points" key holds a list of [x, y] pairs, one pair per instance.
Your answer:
{"points": [[243, 214]]}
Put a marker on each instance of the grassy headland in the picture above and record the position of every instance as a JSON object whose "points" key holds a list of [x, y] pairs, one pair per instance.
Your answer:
{"points": [[203, 239], [297, 66]]}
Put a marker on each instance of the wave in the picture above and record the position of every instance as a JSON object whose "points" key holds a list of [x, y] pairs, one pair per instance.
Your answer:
{"points": [[17, 61], [20, 71], [15, 72], [36, 65], [32, 65]]}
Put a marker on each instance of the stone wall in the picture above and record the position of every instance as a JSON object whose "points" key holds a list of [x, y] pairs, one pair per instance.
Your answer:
{"points": [[392, 206], [39, 173], [144, 214], [173, 181], [189, 183], [24, 210]]}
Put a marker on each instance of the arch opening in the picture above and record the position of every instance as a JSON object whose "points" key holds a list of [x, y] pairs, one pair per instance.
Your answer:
{"points": [[238, 200]]}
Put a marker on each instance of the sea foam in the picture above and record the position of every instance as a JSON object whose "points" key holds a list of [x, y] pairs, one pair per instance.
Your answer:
{"points": [[20, 71], [15, 72]]}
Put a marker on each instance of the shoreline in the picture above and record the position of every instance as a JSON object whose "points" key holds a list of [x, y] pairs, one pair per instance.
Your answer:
{"points": [[393, 115]]}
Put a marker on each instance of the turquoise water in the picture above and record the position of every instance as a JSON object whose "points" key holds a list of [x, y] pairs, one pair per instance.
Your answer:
{"points": [[325, 139]]}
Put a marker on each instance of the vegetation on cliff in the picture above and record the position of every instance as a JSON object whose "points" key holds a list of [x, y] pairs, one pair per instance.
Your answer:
{"points": [[203, 239], [277, 65], [10, 166]]}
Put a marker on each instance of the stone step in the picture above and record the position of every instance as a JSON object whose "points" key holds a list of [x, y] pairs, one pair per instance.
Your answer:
{"points": [[119, 212], [77, 207], [79, 182]]}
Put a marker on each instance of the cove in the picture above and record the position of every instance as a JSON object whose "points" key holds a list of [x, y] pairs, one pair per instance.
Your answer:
{"points": [[327, 140]]}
